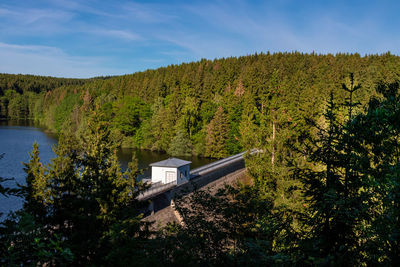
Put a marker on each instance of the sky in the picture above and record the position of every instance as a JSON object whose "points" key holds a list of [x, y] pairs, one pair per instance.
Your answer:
{"points": [[81, 39]]}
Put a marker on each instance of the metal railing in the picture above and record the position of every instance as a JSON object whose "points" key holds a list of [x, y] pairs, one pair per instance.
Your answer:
{"points": [[219, 164]]}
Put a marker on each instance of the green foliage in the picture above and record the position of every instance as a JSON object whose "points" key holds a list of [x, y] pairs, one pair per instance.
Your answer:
{"points": [[378, 136], [63, 111], [268, 92], [351, 199], [35, 185], [31, 83], [18, 107], [82, 210], [229, 227], [80, 205], [26, 92], [129, 113], [350, 181], [27, 243], [207, 111], [217, 135], [180, 145]]}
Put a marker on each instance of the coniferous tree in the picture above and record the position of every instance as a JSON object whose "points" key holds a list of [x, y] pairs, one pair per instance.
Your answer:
{"points": [[190, 113], [34, 179], [217, 135], [90, 205], [333, 187], [378, 132]]}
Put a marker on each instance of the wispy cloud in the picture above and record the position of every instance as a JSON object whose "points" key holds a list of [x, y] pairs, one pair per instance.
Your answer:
{"points": [[31, 48], [5, 12], [28, 16], [91, 7], [125, 36], [121, 34], [43, 60], [148, 13]]}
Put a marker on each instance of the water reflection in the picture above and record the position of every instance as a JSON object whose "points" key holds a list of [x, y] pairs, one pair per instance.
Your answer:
{"points": [[16, 140]]}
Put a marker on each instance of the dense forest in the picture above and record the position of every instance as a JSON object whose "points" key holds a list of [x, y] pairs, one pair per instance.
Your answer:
{"points": [[20, 94], [164, 108], [325, 187]]}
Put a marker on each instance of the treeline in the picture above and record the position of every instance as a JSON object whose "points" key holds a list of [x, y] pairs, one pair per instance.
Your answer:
{"points": [[19, 94], [82, 210], [180, 108]]}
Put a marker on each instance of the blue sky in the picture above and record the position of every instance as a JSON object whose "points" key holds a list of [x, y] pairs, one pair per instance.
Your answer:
{"points": [[76, 38]]}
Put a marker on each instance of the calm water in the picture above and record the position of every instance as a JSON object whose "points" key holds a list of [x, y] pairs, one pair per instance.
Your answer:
{"points": [[17, 138]]}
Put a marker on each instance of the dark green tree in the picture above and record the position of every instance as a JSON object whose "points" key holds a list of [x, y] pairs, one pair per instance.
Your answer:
{"points": [[378, 132], [35, 179], [129, 113], [227, 227], [180, 145], [217, 135], [90, 205], [334, 189]]}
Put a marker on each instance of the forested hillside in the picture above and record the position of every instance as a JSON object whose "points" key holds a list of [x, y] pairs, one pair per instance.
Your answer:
{"points": [[164, 108], [325, 180], [20, 94]]}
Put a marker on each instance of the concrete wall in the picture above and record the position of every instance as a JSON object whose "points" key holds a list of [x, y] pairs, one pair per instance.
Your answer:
{"points": [[162, 212], [203, 180], [183, 174], [217, 177], [158, 174]]}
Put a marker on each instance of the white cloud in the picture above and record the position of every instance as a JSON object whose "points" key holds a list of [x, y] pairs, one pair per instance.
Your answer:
{"points": [[31, 48], [50, 61], [147, 13], [90, 7], [178, 32]]}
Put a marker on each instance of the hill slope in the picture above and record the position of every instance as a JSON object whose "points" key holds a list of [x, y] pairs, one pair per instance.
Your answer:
{"points": [[211, 108]]}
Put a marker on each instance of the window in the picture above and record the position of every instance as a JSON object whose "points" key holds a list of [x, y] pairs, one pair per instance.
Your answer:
{"points": [[181, 175]]}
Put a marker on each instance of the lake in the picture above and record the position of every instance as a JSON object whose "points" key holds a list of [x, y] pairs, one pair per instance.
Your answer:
{"points": [[17, 138]]}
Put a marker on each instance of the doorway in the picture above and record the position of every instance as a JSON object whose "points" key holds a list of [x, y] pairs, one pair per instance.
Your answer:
{"points": [[169, 177]]}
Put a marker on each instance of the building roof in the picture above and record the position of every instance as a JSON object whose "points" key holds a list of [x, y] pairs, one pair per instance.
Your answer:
{"points": [[171, 162]]}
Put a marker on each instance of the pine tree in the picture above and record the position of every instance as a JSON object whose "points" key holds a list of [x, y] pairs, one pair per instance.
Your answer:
{"points": [[378, 132], [34, 183], [190, 114], [333, 188], [90, 204], [217, 135]]}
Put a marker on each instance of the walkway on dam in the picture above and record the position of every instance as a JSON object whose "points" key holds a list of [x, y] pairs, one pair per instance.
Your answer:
{"points": [[195, 175]]}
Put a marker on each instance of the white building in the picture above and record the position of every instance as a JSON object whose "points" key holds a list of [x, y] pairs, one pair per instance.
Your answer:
{"points": [[170, 170]]}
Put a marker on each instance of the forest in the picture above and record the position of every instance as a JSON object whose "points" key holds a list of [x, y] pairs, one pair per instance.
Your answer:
{"points": [[164, 108], [325, 184]]}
